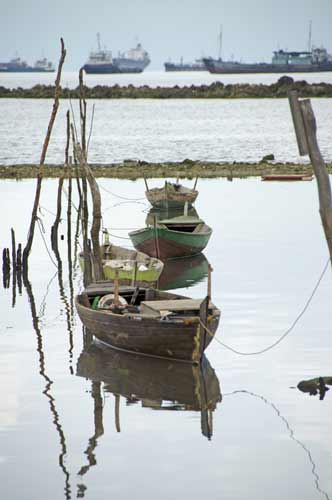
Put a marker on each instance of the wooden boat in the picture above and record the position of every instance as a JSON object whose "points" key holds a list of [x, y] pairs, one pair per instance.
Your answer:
{"points": [[158, 384], [291, 177], [171, 195], [171, 238], [148, 321], [131, 266], [183, 272]]}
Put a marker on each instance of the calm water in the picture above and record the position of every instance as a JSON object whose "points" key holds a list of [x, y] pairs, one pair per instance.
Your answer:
{"points": [[151, 78], [163, 130], [59, 430]]}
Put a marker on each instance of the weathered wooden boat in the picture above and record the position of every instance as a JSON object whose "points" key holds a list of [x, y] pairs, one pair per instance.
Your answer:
{"points": [[155, 383], [171, 238], [148, 321], [183, 272], [290, 177], [130, 266], [171, 195]]}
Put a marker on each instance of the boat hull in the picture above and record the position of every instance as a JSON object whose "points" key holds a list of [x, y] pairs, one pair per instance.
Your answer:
{"points": [[165, 199], [164, 243], [176, 339]]}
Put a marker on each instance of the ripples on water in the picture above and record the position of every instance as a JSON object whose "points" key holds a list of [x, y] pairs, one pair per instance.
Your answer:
{"points": [[168, 130], [75, 421]]}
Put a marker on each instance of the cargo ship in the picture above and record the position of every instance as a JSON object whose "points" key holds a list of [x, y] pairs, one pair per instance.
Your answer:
{"points": [[315, 60], [102, 61], [198, 65], [17, 65]]}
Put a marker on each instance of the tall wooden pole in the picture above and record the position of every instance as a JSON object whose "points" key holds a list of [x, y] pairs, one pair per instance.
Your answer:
{"points": [[28, 246], [306, 133]]}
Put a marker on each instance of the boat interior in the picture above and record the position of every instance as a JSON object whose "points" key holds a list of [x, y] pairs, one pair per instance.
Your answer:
{"points": [[119, 255], [186, 228], [146, 301]]}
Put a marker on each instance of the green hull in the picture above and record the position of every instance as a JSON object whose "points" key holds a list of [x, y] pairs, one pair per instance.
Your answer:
{"points": [[164, 243]]}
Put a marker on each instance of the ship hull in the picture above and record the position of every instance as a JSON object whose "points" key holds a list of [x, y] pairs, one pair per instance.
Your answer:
{"points": [[25, 70], [118, 66], [219, 67], [184, 67]]}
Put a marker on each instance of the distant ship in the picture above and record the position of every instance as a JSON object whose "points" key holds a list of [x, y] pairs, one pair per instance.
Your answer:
{"points": [[316, 60], [102, 61], [198, 65], [17, 65]]}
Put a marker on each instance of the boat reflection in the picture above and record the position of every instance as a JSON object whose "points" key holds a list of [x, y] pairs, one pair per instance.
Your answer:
{"points": [[183, 272], [158, 384]]}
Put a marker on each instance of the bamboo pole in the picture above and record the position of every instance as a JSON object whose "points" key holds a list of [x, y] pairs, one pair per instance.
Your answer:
{"points": [[27, 249]]}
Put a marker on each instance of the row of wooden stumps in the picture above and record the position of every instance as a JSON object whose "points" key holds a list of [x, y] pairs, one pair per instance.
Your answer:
{"points": [[12, 266]]}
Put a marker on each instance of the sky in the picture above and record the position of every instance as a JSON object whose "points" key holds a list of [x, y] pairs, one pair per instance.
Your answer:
{"points": [[168, 29]]}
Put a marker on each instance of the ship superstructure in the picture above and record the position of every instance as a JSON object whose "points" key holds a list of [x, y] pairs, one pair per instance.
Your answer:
{"points": [[102, 61], [198, 65], [18, 65]]}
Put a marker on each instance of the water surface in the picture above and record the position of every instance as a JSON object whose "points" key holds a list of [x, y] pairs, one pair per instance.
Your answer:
{"points": [[67, 436]]}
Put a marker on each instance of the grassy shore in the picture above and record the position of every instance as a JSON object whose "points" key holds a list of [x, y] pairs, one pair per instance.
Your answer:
{"points": [[131, 169]]}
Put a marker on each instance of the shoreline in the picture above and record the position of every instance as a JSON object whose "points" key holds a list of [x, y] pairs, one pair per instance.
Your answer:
{"points": [[132, 170], [216, 90]]}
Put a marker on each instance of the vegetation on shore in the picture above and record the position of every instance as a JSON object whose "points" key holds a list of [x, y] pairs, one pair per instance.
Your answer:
{"points": [[217, 90], [131, 169]]}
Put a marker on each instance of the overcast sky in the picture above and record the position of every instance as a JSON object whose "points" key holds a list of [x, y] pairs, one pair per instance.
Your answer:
{"points": [[252, 29]]}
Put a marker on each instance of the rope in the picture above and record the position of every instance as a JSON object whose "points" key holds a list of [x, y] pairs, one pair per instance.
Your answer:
{"points": [[284, 334], [41, 232], [291, 433], [121, 197]]}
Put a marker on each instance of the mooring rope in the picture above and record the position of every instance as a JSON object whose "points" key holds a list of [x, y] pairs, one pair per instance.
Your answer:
{"points": [[284, 335], [39, 222], [121, 197]]}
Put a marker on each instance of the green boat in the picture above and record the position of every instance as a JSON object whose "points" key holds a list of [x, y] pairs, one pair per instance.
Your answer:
{"points": [[172, 238], [130, 266]]}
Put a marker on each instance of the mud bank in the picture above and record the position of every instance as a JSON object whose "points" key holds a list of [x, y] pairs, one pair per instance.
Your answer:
{"points": [[217, 90], [131, 169]]}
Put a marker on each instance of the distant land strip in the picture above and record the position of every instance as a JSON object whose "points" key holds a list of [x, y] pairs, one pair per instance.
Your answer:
{"points": [[217, 90], [132, 169]]}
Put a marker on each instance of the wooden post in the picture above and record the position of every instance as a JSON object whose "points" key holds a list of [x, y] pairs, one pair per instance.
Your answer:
{"points": [[306, 128], [116, 288], [14, 268], [209, 290], [134, 275], [203, 316], [117, 412], [298, 122], [321, 174], [146, 183], [19, 267], [195, 183], [156, 242]]}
